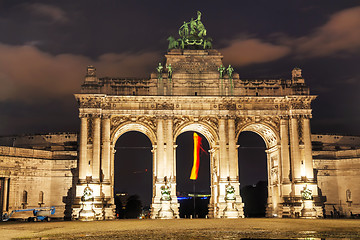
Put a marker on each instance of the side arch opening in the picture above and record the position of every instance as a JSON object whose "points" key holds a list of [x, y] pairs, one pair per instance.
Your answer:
{"points": [[184, 160], [253, 175], [259, 163], [193, 195], [132, 170]]}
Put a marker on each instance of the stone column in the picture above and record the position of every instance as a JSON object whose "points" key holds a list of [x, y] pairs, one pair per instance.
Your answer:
{"points": [[160, 149], [83, 162], [112, 164], [154, 162], [169, 149], [96, 149], [105, 151], [308, 148], [233, 157], [285, 160], [224, 161], [295, 150], [269, 206], [5, 194]]}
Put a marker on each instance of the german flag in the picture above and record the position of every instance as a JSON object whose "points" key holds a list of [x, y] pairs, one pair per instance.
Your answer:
{"points": [[197, 146]]}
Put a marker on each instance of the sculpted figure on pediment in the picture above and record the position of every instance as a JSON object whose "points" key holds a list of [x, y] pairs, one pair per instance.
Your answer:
{"points": [[90, 130], [180, 121], [89, 103], [212, 121], [149, 121], [165, 106], [116, 121]]}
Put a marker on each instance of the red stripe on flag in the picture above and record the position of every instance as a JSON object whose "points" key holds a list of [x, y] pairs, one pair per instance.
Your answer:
{"points": [[197, 146]]}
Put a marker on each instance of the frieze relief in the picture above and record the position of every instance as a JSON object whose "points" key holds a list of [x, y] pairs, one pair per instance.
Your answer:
{"points": [[195, 66], [212, 121], [165, 106], [274, 172], [117, 120], [273, 121], [178, 121], [149, 121], [90, 130], [89, 103], [227, 106], [106, 105], [300, 129], [301, 104]]}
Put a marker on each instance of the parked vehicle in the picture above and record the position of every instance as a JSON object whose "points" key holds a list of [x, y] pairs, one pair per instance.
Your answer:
{"points": [[39, 214]]}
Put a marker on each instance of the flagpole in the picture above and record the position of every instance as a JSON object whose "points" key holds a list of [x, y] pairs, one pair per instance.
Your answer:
{"points": [[194, 198]]}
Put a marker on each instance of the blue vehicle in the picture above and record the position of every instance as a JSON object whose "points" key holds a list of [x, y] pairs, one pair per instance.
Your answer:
{"points": [[39, 214]]}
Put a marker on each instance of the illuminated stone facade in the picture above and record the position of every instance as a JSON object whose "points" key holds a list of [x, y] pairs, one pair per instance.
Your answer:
{"points": [[45, 168], [38, 171], [196, 98], [337, 166]]}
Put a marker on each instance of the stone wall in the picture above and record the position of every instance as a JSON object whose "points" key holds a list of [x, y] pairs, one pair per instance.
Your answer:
{"points": [[50, 141], [36, 178], [337, 165]]}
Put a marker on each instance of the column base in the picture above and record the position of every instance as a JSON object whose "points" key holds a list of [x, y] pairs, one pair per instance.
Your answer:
{"points": [[308, 210], [164, 210], [87, 212], [231, 210]]}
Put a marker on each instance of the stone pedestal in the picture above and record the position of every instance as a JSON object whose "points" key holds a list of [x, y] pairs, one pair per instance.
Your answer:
{"points": [[87, 212], [231, 210], [308, 210], [166, 212]]}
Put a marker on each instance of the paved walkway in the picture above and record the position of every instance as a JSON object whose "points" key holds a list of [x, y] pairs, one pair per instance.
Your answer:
{"points": [[185, 229]]}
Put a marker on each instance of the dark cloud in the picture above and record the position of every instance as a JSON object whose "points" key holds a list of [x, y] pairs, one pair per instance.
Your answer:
{"points": [[249, 51], [27, 73], [53, 13], [340, 34], [45, 47]]}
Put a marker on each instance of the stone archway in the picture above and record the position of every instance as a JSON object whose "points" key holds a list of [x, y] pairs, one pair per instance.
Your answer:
{"points": [[205, 129], [197, 98], [116, 134], [212, 138], [272, 141]]}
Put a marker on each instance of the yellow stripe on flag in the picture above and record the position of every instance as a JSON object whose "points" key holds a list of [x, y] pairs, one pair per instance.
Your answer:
{"points": [[195, 168]]}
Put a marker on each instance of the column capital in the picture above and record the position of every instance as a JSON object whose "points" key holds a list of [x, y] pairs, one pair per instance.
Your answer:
{"points": [[295, 116], [169, 118], [94, 115], [105, 116], [84, 115], [161, 117], [223, 117], [284, 117]]}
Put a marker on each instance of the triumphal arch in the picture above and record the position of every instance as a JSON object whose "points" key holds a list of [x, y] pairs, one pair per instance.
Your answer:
{"points": [[193, 91]]}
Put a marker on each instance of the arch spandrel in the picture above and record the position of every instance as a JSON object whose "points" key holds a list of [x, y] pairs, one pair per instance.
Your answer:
{"points": [[132, 126], [207, 131], [266, 132]]}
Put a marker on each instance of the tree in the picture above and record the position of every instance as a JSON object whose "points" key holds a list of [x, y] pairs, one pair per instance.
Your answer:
{"points": [[133, 207]]}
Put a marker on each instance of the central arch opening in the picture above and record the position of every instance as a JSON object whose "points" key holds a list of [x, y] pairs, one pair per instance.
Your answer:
{"points": [[193, 195], [133, 175], [253, 173]]}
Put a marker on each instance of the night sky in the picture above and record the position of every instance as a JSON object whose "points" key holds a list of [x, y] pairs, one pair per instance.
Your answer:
{"points": [[45, 47]]}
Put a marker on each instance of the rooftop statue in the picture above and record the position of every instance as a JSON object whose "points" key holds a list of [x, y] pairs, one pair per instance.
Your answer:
{"points": [[192, 36], [159, 70], [230, 71]]}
